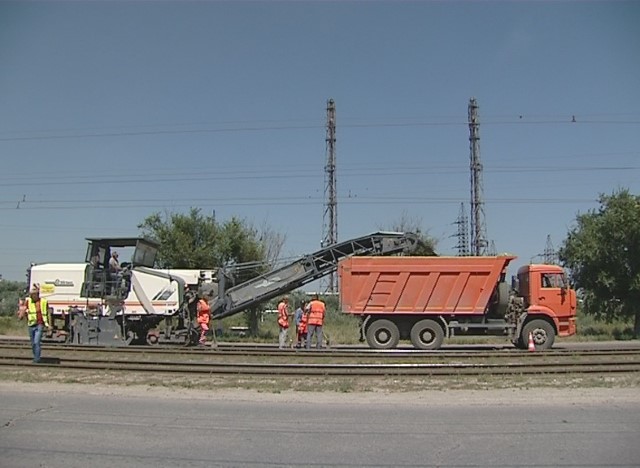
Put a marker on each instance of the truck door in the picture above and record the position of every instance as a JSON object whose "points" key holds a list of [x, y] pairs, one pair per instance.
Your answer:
{"points": [[553, 292]]}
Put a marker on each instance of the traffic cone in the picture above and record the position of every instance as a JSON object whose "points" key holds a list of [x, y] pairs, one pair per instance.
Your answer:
{"points": [[531, 346]]}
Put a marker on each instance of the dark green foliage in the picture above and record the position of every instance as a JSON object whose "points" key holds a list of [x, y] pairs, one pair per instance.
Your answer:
{"points": [[603, 253], [196, 241], [10, 293]]}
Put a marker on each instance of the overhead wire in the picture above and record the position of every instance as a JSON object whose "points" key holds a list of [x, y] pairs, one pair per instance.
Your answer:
{"points": [[252, 126]]}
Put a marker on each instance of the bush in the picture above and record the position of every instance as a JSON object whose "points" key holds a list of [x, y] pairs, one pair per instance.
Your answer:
{"points": [[590, 328], [10, 293]]}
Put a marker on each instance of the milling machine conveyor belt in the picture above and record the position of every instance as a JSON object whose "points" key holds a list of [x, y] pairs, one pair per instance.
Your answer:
{"points": [[305, 270]]}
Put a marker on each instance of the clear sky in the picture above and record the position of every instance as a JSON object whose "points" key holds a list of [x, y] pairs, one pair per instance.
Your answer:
{"points": [[111, 111]]}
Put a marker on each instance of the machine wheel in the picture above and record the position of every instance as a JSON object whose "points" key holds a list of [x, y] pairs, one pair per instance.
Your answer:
{"points": [[383, 334], [542, 332], [427, 334]]}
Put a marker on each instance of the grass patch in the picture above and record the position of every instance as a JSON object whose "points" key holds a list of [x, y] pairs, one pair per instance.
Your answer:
{"points": [[592, 329], [12, 326]]}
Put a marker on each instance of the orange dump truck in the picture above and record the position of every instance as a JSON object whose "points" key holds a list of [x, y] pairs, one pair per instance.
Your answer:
{"points": [[428, 299]]}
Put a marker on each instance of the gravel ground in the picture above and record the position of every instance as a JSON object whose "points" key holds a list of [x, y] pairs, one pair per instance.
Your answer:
{"points": [[514, 396]]}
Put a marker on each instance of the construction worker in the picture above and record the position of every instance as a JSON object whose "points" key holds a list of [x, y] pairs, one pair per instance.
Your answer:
{"points": [[204, 312], [37, 313], [301, 325], [283, 321], [114, 264], [317, 310]]}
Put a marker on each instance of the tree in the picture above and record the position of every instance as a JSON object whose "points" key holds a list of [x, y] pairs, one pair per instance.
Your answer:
{"points": [[426, 244], [196, 241], [602, 252], [10, 293]]}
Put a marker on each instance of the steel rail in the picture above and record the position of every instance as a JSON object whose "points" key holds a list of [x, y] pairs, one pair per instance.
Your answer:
{"points": [[333, 352], [333, 369]]}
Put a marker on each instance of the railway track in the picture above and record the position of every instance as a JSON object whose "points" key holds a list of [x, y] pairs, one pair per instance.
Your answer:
{"points": [[350, 352], [270, 361]]}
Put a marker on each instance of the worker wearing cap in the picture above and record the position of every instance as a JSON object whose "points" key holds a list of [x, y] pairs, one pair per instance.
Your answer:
{"points": [[37, 319], [283, 321], [315, 321]]}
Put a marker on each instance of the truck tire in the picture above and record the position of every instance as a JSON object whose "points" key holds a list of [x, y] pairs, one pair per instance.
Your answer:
{"points": [[519, 343], [543, 334], [383, 334], [427, 334]]}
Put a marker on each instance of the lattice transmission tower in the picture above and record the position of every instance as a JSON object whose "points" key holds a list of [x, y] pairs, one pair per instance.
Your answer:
{"points": [[479, 243], [550, 255], [462, 233], [330, 217]]}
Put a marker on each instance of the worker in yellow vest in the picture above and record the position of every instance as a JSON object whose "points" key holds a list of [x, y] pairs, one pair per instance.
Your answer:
{"points": [[37, 312], [315, 321]]}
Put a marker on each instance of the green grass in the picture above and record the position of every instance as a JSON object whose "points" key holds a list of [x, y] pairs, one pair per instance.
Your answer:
{"points": [[344, 329], [12, 326], [591, 329]]}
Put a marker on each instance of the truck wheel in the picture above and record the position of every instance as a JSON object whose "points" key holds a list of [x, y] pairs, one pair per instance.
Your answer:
{"points": [[427, 334], [383, 334], [542, 332], [519, 343]]}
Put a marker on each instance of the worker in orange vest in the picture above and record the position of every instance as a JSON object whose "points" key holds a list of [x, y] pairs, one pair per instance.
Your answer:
{"points": [[204, 312], [301, 318], [283, 321], [315, 321]]}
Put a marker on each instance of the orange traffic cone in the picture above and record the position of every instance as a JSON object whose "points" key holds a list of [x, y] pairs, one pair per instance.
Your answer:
{"points": [[531, 346]]}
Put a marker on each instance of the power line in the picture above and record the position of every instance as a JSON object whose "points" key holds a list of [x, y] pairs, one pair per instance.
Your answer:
{"points": [[315, 201], [570, 119], [261, 175]]}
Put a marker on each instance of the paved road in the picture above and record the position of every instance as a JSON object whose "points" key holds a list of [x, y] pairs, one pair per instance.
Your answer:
{"points": [[83, 427]]}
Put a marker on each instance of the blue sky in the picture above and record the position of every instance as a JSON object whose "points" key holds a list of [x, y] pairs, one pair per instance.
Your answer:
{"points": [[111, 111]]}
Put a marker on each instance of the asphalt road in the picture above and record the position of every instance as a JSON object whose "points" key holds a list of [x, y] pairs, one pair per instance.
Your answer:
{"points": [[78, 426]]}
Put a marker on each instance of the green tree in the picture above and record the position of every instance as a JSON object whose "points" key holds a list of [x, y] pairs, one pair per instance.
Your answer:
{"points": [[603, 253], [10, 293], [196, 241]]}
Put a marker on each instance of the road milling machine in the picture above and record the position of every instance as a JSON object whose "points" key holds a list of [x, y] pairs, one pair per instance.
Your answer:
{"points": [[91, 305]]}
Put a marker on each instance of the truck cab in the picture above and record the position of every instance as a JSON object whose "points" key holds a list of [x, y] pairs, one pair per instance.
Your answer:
{"points": [[547, 293]]}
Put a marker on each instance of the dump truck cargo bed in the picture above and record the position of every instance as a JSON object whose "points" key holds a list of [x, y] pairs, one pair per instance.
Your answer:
{"points": [[419, 285]]}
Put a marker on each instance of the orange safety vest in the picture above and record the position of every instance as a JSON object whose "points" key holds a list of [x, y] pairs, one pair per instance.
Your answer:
{"points": [[302, 326], [203, 311], [316, 312], [283, 318]]}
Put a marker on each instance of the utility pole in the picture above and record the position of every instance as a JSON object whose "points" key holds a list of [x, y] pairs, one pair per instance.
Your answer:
{"points": [[463, 233], [330, 217], [550, 256], [479, 242]]}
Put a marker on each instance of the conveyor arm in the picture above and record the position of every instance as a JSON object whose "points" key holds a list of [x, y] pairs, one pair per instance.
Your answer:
{"points": [[305, 270]]}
